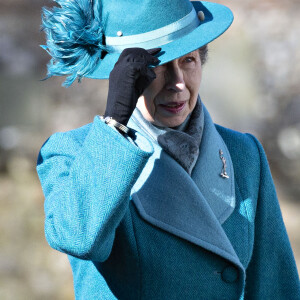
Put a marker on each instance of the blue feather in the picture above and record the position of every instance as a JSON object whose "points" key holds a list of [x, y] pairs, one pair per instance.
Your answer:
{"points": [[75, 34]]}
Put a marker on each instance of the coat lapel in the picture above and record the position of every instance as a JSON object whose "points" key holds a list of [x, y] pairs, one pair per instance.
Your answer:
{"points": [[192, 208], [218, 191]]}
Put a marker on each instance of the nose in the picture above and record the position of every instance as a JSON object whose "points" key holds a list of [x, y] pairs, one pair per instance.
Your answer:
{"points": [[174, 78]]}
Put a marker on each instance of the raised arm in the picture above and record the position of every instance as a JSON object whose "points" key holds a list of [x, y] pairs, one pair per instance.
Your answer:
{"points": [[86, 175]]}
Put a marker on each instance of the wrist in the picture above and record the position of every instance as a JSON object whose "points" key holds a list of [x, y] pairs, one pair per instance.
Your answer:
{"points": [[118, 115], [124, 130]]}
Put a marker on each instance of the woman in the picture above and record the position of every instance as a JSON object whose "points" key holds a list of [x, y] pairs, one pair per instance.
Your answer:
{"points": [[153, 200]]}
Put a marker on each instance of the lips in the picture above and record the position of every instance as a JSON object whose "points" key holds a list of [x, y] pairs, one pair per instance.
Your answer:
{"points": [[173, 107]]}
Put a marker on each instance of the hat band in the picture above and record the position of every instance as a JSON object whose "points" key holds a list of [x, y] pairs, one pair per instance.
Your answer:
{"points": [[158, 37]]}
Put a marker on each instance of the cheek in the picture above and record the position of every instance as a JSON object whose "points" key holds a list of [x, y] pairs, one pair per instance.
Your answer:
{"points": [[193, 87], [194, 81], [197, 76]]}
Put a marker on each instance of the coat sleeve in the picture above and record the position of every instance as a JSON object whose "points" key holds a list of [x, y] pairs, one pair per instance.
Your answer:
{"points": [[272, 271], [86, 175]]}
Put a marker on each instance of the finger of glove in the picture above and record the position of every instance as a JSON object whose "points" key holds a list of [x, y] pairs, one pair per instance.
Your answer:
{"points": [[140, 55], [130, 54], [154, 61], [137, 69], [148, 60], [147, 72], [143, 58], [132, 57], [147, 75], [151, 59], [127, 55], [126, 69], [153, 51]]}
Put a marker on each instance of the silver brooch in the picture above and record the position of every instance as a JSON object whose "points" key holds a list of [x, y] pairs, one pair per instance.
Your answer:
{"points": [[223, 172]]}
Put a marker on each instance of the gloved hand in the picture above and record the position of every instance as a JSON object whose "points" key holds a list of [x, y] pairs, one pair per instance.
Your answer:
{"points": [[127, 81]]}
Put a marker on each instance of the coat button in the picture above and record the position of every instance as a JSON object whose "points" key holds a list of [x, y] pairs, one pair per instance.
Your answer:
{"points": [[230, 274]]}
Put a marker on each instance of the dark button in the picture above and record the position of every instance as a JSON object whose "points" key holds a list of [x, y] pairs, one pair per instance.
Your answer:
{"points": [[230, 274]]}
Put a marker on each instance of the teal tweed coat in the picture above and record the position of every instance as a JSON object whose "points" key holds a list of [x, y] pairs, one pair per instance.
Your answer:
{"points": [[135, 225]]}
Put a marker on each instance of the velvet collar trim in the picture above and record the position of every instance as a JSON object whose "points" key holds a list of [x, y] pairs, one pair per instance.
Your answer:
{"points": [[182, 142]]}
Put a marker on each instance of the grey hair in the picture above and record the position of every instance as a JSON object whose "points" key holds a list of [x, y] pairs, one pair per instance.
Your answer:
{"points": [[203, 52]]}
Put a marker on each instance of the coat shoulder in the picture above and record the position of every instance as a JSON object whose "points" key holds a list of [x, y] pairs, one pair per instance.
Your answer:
{"points": [[244, 145]]}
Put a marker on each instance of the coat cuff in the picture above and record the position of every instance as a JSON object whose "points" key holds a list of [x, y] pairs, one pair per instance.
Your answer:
{"points": [[143, 145]]}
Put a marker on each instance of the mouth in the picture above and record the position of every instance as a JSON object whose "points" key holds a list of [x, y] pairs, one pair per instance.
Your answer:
{"points": [[173, 107]]}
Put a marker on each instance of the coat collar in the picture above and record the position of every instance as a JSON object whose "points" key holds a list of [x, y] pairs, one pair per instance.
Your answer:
{"points": [[191, 207]]}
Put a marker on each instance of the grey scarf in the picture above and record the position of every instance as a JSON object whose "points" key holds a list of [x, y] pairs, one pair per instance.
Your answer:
{"points": [[181, 142]]}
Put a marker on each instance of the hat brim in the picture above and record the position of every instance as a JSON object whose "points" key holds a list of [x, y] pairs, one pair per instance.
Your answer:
{"points": [[217, 20]]}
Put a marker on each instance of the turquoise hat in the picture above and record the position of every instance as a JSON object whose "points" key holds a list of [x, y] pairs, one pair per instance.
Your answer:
{"points": [[85, 37]]}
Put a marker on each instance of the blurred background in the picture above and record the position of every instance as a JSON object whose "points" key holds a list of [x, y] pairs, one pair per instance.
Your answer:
{"points": [[250, 83]]}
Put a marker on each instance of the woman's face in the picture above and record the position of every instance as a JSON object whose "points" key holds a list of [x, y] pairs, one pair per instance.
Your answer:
{"points": [[168, 100]]}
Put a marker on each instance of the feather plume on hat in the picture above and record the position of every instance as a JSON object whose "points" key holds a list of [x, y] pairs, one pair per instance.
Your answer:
{"points": [[75, 35]]}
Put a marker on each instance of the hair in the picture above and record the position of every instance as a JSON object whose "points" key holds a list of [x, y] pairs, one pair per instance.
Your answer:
{"points": [[203, 52], [74, 31]]}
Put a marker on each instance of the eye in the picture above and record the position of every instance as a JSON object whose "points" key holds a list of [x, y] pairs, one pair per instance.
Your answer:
{"points": [[189, 59]]}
